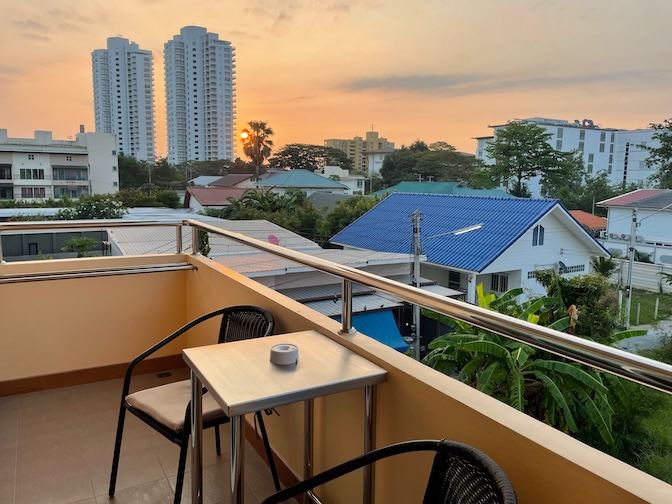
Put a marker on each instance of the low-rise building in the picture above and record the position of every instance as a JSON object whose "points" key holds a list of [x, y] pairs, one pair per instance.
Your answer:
{"points": [[40, 168], [355, 183], [367, 153]]}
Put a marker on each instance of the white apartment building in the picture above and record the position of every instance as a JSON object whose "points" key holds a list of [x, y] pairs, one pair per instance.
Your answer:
{"points": [[41, 167], [620, 153], [355, 183], [123, 96], [200, 73]]}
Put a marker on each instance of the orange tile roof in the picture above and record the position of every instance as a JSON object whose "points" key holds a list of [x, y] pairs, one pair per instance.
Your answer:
{"points": [[589, 220], [215, 196]]}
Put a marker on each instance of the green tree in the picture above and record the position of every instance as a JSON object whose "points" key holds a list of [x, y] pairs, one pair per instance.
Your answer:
{"points": [[660, 158], [521, 151], [343, 214], [309, 157], [97, 206], [80, 244], [132, 173], [604, 266], [257, 143], [442, 163]]}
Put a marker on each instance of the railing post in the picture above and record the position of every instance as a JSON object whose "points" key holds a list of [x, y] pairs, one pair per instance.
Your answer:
{"points": [[1, 259], [346, 308], [194, 240], [178, 239]]}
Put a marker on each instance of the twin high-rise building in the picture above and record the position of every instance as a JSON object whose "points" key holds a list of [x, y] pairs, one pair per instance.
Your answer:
{"points": [[123, 96], [200, 96], [200, 80]]}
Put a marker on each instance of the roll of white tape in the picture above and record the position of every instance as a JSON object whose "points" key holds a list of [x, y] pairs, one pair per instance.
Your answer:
{"points": [[284, 354]]}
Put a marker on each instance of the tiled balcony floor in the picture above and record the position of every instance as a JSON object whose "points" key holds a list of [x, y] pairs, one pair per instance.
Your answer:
{"points": [[56, 447]]}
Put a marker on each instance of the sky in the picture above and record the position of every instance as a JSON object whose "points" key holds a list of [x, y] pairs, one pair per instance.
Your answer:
{"points": [[315, 69]]}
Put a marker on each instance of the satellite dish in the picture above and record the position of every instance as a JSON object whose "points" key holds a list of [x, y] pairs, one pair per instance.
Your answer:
{"points": [[273, 239], [562, 268]]}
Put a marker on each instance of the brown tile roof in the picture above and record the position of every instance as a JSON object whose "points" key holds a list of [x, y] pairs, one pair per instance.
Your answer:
{"points": [[589, 220], [214, 196], [231, 179]]}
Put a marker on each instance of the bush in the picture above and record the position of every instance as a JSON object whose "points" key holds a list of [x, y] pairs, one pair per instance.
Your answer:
{"points": [[168, 199]]}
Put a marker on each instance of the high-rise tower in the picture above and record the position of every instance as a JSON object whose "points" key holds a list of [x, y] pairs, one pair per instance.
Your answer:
{"points": [[200, 96], [123, 96]]}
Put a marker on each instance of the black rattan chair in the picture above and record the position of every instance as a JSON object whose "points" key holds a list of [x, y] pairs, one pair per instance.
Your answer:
{"points": [[166, 408], [460, 474]]}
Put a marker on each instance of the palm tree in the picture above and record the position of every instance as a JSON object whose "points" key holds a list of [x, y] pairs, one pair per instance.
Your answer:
{"points": [[604, 266], [257, 143]]}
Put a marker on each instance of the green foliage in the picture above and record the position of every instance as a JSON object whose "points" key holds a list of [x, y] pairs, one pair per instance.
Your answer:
{"points": [[80, 244], [168, 199], [309, 157], [47, 203], [98, 206], [444, 164], [592, 295], [604, 266], [583, 194], [660, 158], [521, 151], [132, 173], [23, 217], [343, 214], [133, 198], [559, 393]]}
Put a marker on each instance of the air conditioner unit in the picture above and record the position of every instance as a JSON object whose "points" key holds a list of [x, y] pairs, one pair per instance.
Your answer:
{"points": [[603, 234], [625, 236], [639, 238], [613, 236]]}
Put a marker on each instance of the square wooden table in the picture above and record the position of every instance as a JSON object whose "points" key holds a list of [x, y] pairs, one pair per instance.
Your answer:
{"points": [[241, 378]]}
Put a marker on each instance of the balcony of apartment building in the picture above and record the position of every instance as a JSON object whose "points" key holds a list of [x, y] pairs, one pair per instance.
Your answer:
{"points": [[70, 326], [70, 175]]}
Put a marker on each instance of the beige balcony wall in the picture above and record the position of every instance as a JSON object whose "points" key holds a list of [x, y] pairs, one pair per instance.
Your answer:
{"points": [[57, 326]]}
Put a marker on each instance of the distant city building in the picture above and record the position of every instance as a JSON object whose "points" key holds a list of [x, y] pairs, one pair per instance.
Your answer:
{"points": [[620, 153], [200, 96], [41, 167], [123, 96], [367, 153]]}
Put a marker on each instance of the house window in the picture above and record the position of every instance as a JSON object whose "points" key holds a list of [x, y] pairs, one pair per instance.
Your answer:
{"points": [[31, 157], [360, 183], [35, 174], [114, 152], [68, 158], [499, 282], [538, 236], [115, 184], [114, 168], [32, 192], [575, 269]]}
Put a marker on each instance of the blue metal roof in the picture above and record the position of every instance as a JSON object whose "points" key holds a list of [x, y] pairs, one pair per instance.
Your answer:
{"points": [[301, 178], [388, 227]]}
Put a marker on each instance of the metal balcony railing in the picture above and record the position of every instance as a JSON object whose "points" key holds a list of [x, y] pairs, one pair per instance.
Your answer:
{"points": [[633, 367]]}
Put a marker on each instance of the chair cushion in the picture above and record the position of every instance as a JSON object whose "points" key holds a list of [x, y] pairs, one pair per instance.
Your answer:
{"points": [[167, 404]]}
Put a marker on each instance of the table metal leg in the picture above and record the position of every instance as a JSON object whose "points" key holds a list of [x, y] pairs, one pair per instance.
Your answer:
{"points": [[237, 459], [307, 443], [369, 436], [196, 440]]}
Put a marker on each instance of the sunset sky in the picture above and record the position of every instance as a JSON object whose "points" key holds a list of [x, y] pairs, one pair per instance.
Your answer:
{"points": [[316, 69]]}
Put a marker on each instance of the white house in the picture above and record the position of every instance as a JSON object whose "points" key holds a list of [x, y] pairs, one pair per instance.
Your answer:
{"points": [[355, 183], [511, 239], [649, 211]]}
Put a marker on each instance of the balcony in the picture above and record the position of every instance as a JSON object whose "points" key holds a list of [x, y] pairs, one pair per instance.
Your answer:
{"points": [[59, 386]]}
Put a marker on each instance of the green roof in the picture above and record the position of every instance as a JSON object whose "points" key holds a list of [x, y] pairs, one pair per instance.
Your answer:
{"points": [[439, 188]]}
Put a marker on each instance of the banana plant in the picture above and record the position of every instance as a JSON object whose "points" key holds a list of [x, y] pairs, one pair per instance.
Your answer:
{"points": [[559, 393]]}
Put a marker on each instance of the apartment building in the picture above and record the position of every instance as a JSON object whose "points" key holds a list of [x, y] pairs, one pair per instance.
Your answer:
{"points": [[200, 96], [41, 167], [367, 153], [620, 153], [123, 96]]}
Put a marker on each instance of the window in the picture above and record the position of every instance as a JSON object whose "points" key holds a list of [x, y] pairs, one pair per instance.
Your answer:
{"points": [[34, 174], [538, 236], [499, 283], [560, 132], [31, 157], [582, 135], [603, 136], [575, 269], [68, 158], [114, 152], [558, 144], [115, 184], [32, 192], [581, 146], [114, 168], [601, 147], [360, 183]]}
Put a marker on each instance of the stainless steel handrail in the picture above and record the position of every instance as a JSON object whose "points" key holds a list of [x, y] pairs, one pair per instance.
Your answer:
{"points": [[630, 366]]}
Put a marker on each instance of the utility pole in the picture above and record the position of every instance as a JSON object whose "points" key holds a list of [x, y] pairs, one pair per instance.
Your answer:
{"points": [[416, 279], [631, 262]]}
